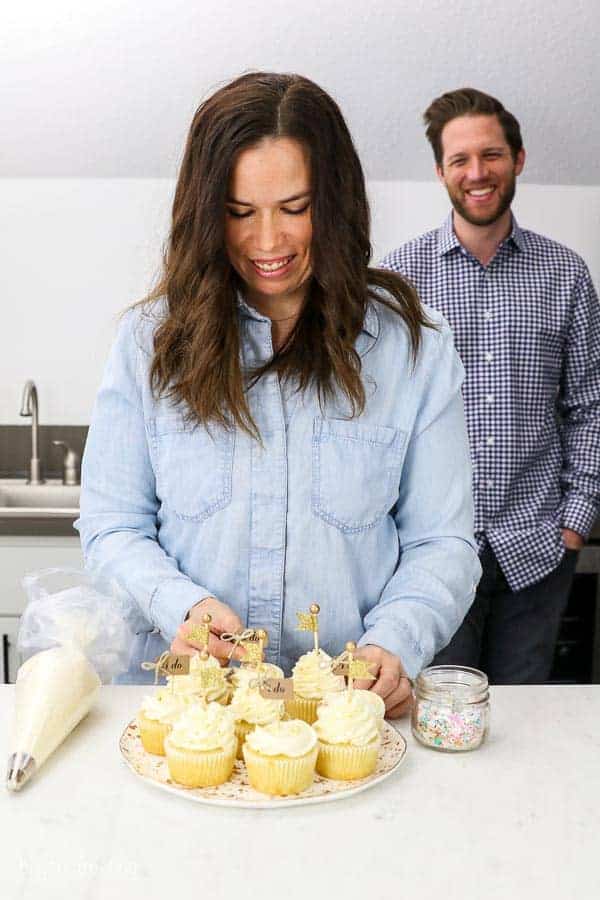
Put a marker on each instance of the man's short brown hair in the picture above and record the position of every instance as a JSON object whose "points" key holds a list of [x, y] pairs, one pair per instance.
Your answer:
{"points": [[468, 102]]}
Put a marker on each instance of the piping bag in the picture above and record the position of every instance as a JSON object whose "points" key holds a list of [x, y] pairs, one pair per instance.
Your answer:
{"points": [[75, 633]]}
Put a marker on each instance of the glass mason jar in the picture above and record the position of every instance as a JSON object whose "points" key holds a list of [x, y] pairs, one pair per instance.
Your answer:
{"points": [[451, 708]]}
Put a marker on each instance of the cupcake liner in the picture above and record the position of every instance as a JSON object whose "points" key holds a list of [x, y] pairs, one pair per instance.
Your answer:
{"points": [[280, 775], [242, 729], [302, 708], [344, 762], [153, 734], [199, 768]]}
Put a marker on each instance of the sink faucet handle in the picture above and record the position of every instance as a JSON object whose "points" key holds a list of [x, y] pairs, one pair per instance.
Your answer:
{"points": [[71, 461]]}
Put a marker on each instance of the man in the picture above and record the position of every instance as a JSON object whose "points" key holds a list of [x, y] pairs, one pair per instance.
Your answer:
{"points": [[526, 322]]}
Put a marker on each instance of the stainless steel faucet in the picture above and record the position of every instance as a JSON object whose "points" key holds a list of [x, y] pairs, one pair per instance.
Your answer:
{"points": [[29, 407]]}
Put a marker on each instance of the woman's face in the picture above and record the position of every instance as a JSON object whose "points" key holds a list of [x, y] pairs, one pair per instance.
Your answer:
{"points": [[268, 227]]}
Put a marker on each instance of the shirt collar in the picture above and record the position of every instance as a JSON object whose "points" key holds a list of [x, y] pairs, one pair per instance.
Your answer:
{"points": [[370, 324], [447, 240]]}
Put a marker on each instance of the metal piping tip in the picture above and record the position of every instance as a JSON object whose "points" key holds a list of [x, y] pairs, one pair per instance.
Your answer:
{"points": [[21, 767]]}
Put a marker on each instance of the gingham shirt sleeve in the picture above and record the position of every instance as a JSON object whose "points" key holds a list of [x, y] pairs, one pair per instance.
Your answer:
{"points": [[580, 402]]}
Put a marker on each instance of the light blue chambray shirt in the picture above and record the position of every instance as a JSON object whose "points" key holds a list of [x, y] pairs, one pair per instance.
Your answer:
{"points": [[370, 517]]}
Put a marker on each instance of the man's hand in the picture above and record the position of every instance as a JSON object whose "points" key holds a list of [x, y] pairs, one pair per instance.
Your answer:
{"points": [[392, 683], [571, 539], [223, 620]]}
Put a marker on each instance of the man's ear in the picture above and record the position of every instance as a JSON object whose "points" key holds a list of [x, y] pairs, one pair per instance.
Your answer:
{"points": [[440, 173], [520, 161]]}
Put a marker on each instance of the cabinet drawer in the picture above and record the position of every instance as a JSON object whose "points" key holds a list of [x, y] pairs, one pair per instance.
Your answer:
{"points": [[21, 555]]}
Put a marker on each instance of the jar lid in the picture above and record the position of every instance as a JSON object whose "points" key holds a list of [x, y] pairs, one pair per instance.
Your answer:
{"points": [[453, 684]]}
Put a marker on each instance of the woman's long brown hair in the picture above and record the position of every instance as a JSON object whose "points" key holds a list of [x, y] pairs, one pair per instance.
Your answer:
{"points": [[197, 358]]}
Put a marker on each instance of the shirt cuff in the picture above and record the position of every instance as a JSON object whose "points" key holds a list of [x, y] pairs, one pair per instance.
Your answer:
{"points": [[170, 602], [579, 514], [398, 642]]}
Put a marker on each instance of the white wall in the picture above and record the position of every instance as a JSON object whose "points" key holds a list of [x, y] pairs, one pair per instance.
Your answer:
{"points": [[77, 251], [96, 98], [106, 88]]}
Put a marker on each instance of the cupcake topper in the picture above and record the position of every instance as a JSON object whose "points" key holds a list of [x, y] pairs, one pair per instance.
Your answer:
{"points": [[209, 678], [201, 633], [241, 639], [357, 668], [168, 664], [254, 648], [310, 622]]}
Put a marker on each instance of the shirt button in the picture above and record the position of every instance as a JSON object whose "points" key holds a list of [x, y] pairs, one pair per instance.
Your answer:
{"points": [[489, 398], [490, 441], [489, 483], [489, 357], [487, 315]]}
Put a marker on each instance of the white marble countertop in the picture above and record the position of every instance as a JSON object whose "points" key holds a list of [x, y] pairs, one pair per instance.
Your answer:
{"points": [[519, 818]]}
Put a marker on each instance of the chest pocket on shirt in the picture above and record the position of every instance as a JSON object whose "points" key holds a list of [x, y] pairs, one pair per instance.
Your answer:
{"points": [[355, 472], [193, 467]]}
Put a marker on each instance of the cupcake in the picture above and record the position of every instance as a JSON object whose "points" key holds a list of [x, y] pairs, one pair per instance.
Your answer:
{"points": [[250, 709], [242, 675], [201, 746], [280, 758], [312, 679], [192, 684], [371, 700], [348, 738], [156, 716]]}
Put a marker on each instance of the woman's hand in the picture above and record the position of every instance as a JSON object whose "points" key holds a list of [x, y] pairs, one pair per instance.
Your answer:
{"points": [[223, 619], [392, 683]]}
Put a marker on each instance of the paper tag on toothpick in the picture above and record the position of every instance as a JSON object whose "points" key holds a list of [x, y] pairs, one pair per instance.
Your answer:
{"points": [[276, 688], [340, 668], [176, 664]]}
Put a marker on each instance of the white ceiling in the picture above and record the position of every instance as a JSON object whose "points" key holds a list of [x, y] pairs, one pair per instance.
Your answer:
{"points": [[106, 88]]}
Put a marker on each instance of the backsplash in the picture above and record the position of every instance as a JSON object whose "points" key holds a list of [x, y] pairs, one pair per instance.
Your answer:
{"points": [[15, 448]]}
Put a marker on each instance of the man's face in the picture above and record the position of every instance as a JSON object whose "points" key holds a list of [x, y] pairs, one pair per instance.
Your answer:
{"points": [[478, 168]]}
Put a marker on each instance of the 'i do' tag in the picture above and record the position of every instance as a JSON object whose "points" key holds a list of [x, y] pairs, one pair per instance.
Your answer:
{"points": [[174, 664], [340, 668], [276, 688]]}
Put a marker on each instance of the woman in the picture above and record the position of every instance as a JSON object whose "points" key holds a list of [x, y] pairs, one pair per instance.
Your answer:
{"points": [[278, 423]]}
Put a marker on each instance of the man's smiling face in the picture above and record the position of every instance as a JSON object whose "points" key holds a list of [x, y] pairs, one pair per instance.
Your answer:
{"points": [[478, 168]]}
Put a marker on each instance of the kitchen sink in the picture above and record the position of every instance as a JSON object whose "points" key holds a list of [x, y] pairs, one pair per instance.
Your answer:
{"points": [[19, 500]]}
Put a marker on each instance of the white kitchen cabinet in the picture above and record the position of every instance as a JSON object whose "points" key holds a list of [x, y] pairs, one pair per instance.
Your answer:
{"points": [[9, 661], [18, 557]]}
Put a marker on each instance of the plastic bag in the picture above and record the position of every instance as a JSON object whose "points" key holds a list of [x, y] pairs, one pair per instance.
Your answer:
{"points": [[68, 607]]}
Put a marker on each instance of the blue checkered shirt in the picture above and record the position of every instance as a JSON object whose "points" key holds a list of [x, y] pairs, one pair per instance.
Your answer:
{"points": [[527, 327]]}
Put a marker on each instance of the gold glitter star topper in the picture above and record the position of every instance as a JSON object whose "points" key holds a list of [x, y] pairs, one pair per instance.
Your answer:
{"points": [[209, 679], [200, 634], [310, 622], [254, 648], [357, 668]]}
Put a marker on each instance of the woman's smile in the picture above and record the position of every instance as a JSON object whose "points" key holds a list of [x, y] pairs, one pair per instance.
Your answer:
{"points": [[268, 225]]}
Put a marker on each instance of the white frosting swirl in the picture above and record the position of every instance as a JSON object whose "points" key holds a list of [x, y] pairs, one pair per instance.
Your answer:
{"points": [[244, 674], [348, 722], [247, 705], [204, 726], [292, 738], [371, 700], [164, 705], [313, 676], [191, 684]]}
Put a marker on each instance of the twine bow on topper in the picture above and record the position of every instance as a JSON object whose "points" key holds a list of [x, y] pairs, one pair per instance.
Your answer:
{"points": [[241, 639], [168, 664]]}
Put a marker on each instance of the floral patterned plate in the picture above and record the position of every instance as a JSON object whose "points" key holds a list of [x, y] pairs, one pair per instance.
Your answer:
{"points": [[237, 791]]}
